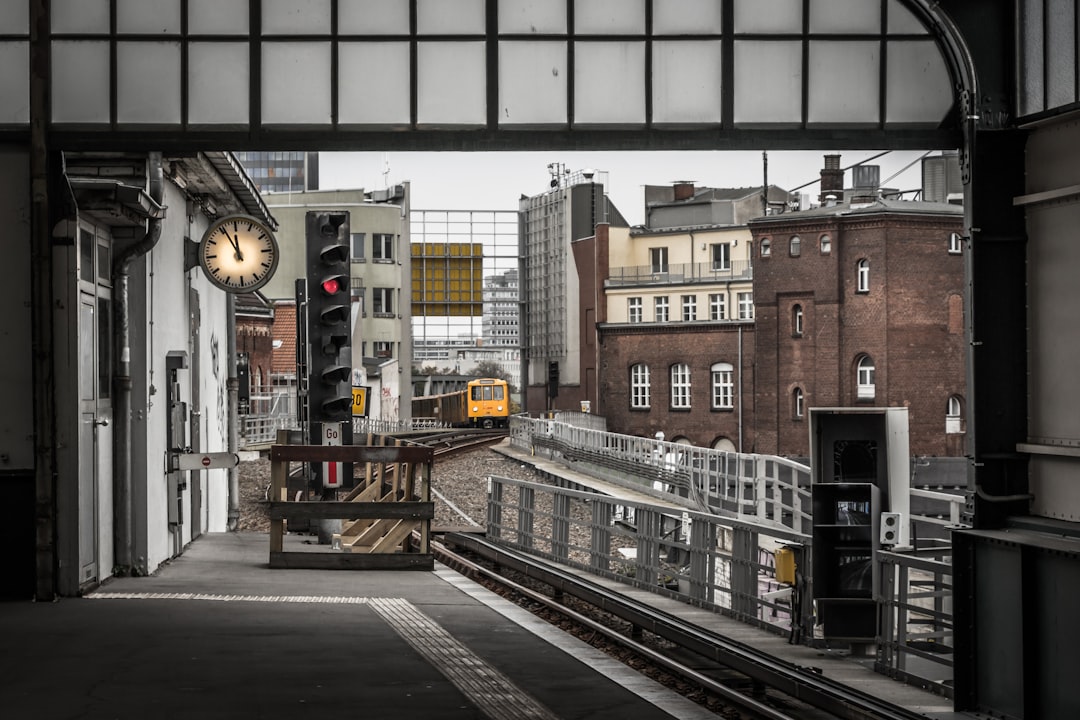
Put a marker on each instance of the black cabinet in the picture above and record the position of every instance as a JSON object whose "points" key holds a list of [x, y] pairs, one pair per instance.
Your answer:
{"points": [[844, 573]]}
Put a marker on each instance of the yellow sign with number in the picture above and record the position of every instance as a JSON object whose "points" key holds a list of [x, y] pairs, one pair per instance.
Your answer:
{"points": [[359, 401]]}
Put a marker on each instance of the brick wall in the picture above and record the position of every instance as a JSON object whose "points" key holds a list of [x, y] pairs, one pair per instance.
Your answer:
{"points": [[660, 346]]}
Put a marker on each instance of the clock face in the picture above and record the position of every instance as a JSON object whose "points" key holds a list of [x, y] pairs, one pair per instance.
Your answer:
{"points": [[239, 254]]}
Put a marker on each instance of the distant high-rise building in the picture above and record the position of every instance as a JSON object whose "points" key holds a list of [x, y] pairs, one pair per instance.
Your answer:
{"points": [[501, 325], [550, 224], [282, 171]]}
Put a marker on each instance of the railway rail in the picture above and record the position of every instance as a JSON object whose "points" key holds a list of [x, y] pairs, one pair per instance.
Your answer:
{"points": [[754, 683]]}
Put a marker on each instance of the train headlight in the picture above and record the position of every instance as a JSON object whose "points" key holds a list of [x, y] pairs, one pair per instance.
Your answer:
{"points": [[499, 408], [475, 409]]}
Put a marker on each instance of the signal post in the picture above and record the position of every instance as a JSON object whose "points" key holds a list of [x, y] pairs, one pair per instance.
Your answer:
{"points": [[329, 312]]}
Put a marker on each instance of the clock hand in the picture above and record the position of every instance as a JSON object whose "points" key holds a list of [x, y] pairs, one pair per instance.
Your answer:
{"points": [[235, 242]]}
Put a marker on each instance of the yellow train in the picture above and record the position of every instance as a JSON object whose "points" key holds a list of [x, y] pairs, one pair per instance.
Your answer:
{"points": [[485, 402]]}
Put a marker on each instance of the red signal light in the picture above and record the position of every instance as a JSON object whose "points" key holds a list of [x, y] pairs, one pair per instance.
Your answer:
{"points": [[331, 286]]}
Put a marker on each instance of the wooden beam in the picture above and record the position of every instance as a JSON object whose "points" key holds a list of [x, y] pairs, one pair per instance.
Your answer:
{"points": [[341, 510]]}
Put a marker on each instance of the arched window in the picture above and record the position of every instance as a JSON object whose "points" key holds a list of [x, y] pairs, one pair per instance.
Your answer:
{"points": [[954, 422], [862, 275], [796, 320], [864, 378], [766, 247], [723, 386], [797, 401], [724, 444], [639, 386], [680, 386], [795, 246], [826, 244]]}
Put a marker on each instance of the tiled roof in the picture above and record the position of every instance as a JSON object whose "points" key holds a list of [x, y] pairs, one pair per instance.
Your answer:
{"points": [[283, 356]]}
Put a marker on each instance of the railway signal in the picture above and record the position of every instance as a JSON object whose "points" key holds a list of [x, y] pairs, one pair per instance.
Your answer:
{"points": [[329, 311]]}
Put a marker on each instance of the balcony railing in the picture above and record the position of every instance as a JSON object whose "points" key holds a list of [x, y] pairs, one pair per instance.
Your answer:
{"points": [[680, 274]]}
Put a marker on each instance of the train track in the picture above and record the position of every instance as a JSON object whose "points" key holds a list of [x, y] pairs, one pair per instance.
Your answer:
{"points": [[754, 684], [452, 441]]}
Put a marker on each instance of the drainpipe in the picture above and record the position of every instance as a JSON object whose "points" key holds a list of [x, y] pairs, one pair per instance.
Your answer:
{"points": [[740, 389], [234, 414], [123, 528]]}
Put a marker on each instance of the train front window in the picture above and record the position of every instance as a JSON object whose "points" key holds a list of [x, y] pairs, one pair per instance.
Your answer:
{"points": [[498, 392]]}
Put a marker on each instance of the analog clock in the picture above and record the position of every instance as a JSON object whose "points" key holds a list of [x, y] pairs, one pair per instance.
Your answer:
{"points": [[238, 253]]}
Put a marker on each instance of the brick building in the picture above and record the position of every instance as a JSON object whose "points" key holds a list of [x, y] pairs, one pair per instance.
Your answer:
{"points": [[675, 335], [860, 303]]}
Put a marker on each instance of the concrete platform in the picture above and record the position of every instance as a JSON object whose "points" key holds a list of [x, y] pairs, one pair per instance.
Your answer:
{"points": [[217, 634]]}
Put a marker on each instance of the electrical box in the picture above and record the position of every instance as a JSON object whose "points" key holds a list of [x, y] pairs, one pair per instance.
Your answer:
{"points": [[859, 465], [785, 565]]}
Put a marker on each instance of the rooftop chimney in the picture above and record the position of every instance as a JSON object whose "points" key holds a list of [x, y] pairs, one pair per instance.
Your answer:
{"points": [[832, 178], [684, 190]]}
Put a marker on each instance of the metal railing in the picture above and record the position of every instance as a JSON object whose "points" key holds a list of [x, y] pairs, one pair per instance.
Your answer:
{"points": [[717, 563], [269, 408], [770, 490], [718, 551], [916, 629], [680, 274]]}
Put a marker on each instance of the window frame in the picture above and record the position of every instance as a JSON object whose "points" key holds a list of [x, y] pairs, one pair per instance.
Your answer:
{"points": [[382, 247], [661, 302], [717, 306], [746, 305], [954, 421], [956, 243], [640, 387], [797, 317], [382, 301], [722, 385], [862, 276], [680, 386], [689, 308], [865, 378], [723, 263], [795, 246], [635, 309], [357, 241], [825, 244], [798, 404], [658, 259], [765, 248]]}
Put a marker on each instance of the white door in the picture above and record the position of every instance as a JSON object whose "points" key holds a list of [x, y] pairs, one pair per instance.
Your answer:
{"points": [[95, 398]]}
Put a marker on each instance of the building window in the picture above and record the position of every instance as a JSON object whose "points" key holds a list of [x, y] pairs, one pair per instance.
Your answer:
{"points": [[795, 246], [383, 349], [723, 386], [956, 243], [797, 321], [658, 259], [639, 387], [382, 301], [746, 306], [356, 240], [766, 247], [953, 418], [797, 402], [721, 256], [680, 386], [382, 247], [634, 309], [689, 308], [826, 244], [864, 378], [662, 309], [862, 276], [718, 306]]}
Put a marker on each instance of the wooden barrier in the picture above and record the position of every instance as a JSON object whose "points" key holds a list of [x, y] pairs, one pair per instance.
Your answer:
{"points": [[391, 501]]}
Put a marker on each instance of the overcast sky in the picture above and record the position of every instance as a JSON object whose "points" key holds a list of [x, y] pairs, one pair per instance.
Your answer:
{"points": [[495, 181]]}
